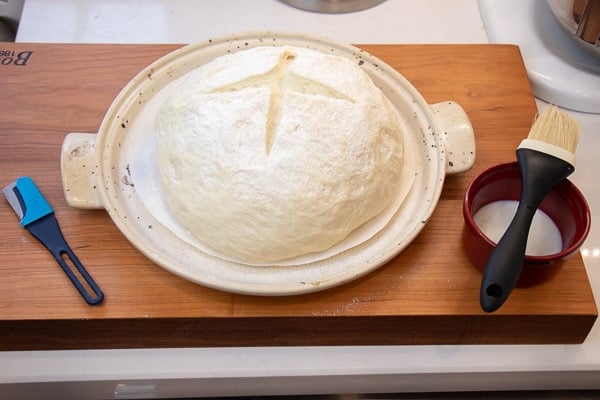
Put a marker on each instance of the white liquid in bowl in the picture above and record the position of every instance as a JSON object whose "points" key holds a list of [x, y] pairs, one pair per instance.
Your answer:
{"points": [[544, 237]]}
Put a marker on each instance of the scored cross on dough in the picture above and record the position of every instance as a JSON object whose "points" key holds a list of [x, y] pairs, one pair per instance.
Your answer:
{"points": [[280, 79]]}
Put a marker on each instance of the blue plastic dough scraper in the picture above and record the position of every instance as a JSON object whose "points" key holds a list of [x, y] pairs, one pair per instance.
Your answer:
{"points": [[38, 218]]}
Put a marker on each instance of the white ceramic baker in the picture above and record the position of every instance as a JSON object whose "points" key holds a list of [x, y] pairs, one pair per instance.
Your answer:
{"points": [[116, 169]]}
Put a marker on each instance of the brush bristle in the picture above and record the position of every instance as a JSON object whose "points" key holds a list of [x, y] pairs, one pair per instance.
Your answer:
{"points": [[555, 127]]}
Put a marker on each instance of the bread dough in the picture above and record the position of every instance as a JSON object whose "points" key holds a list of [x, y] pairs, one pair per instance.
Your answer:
{"points": [[275, 152]]}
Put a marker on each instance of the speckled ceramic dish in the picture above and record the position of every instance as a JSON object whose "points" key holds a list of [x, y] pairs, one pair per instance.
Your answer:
{"points": [[115, 169]]}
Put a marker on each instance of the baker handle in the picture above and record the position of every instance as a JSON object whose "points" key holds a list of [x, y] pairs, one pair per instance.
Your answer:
{"points": [[47, 231], [79, 170], [457, 135]]}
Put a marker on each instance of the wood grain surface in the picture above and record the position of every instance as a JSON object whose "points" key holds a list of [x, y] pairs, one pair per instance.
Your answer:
{"points": [[429, 294]]}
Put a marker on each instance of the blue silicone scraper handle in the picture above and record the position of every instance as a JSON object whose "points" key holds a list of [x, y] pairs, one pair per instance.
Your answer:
{"points": [[38, 218], [33, 204]]}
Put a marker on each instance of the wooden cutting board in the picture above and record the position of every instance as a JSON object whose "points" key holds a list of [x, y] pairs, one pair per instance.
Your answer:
{"points": [[429, 294]]}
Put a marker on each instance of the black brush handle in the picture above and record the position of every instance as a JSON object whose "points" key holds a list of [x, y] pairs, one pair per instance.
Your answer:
{"points": [[506, 262], [540, 172], [47, 231]]}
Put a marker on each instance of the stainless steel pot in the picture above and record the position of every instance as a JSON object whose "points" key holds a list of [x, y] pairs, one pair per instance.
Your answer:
{"points": [[333, 6], [581, 20]]}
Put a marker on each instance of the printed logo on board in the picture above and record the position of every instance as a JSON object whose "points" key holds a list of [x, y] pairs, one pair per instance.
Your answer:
{"points": [[12, 57]]}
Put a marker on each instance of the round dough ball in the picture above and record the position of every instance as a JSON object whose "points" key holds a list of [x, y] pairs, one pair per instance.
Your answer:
{"points": [[275, 152]]}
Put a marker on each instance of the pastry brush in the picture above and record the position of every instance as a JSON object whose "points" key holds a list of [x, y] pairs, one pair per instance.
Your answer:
{"points": [[545, 158]]}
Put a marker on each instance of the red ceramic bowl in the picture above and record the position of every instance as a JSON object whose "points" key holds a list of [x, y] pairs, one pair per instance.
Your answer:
{"points": [[565, 205]]}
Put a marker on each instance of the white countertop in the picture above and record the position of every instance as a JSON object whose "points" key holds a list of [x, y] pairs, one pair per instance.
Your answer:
{"points": [[185, 21], [199, 372]]}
